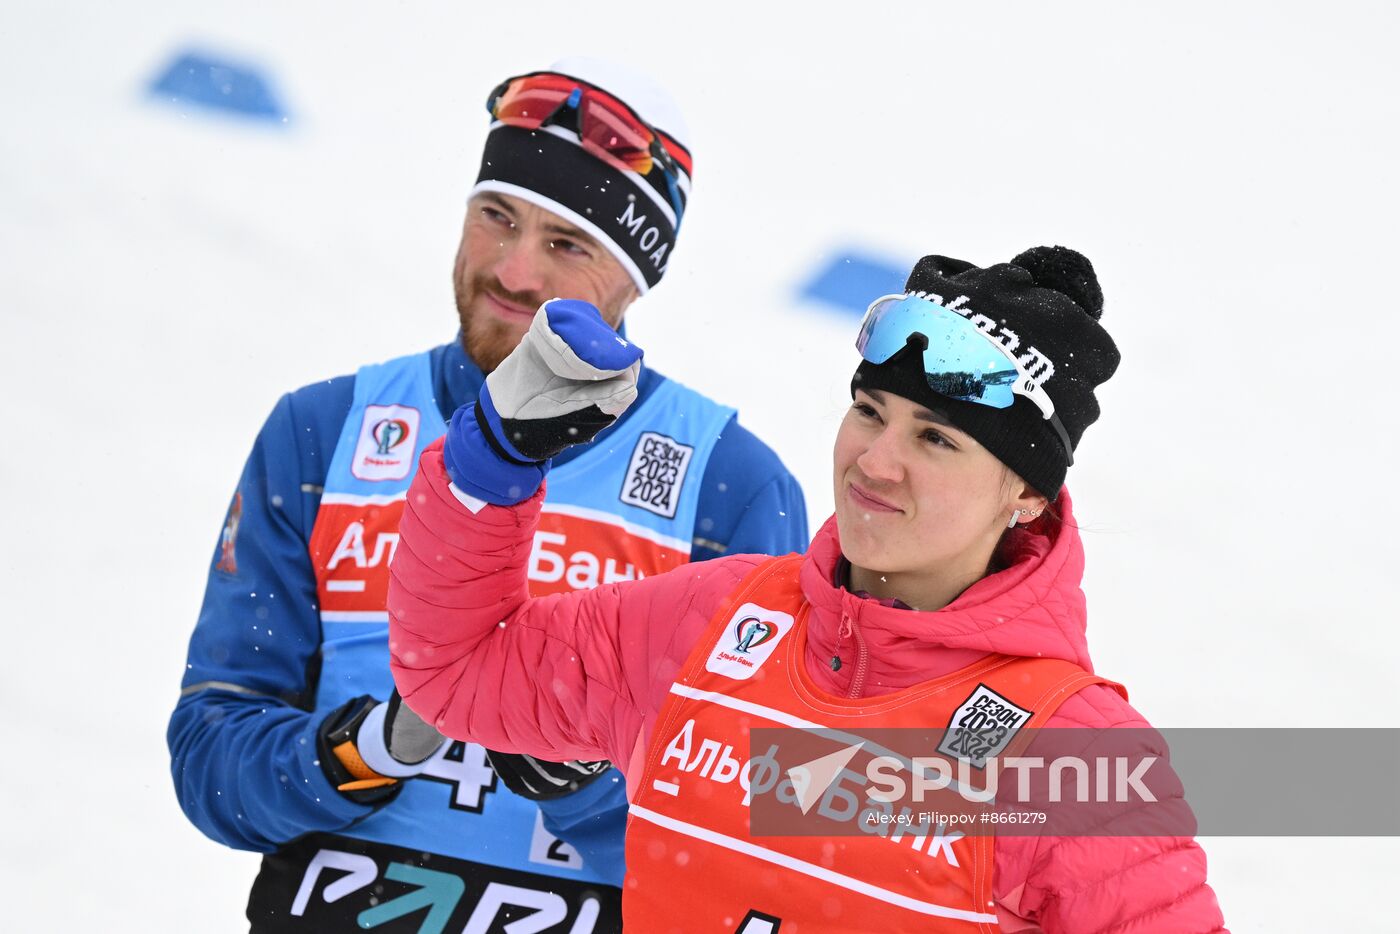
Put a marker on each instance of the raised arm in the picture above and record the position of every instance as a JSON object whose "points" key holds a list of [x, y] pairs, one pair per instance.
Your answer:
{"points": [[569, 676]]}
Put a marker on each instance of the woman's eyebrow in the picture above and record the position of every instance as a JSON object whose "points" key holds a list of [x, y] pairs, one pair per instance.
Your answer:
{"points": [[927, 415], [923, 414]]}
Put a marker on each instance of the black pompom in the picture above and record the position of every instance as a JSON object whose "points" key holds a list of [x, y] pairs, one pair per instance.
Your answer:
{"points": [[1065, 271]]}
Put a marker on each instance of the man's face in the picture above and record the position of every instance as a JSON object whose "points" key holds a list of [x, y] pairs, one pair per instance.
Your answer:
{"points": [[514, 257]]}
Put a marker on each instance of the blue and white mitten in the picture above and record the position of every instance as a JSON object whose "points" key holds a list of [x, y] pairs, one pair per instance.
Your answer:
{"points": [[570, 377]]}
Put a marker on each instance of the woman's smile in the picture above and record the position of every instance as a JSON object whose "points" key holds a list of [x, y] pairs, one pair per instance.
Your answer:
{"points": [[865, 500]]}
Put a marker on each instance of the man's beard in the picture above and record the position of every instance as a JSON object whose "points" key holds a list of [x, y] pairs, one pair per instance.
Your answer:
{"points": [[486, 338]]}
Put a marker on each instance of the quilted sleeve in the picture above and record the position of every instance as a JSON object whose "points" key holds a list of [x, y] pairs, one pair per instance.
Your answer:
{"points": [[1088, 884]]}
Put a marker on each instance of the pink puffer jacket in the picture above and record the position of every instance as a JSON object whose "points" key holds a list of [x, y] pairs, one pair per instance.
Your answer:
{"points": [[583, 675]]}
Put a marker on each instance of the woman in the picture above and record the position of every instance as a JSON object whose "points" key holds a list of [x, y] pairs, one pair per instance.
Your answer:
{"points": [[946, 586]]}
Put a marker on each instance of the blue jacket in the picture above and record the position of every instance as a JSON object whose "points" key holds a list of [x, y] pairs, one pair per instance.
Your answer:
{"points": [[242, 738]]}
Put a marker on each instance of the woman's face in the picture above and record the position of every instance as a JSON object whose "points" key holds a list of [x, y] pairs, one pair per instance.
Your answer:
{"points": [[914, 493]]}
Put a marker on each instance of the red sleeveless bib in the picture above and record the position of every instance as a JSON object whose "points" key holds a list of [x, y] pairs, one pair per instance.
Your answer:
{"points": [[692, 862]]}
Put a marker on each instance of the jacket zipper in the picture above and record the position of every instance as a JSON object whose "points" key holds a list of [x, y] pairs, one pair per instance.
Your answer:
{"points": [[862, 657]]}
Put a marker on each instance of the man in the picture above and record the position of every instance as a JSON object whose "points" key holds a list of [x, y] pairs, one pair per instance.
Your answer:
{"points": [[282, 741]]}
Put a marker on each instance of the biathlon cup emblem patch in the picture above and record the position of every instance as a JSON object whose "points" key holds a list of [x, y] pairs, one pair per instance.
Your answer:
{"points": [[748, 641], [388, 437], [752, 632]]}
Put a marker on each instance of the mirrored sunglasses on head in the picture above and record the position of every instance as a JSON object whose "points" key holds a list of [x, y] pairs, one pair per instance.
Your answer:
{"points": [[960, 360], [608, 129]]}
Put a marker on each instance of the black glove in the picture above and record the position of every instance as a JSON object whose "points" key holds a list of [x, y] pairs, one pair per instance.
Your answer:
{"points": [[367, 748], [539, 780]]}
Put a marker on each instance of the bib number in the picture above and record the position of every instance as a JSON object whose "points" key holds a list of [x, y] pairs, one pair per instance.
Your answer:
{"points": [[464, 767]]}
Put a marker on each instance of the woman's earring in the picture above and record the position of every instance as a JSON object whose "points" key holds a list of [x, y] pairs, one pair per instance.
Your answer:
{"points": [[1014, 516]]}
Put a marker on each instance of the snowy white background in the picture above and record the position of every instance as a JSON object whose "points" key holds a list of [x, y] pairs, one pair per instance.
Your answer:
{"points": [[165, 275]]}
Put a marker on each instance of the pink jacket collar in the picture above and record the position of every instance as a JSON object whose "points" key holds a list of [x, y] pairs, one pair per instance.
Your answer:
{"points": [[1033, 607]]}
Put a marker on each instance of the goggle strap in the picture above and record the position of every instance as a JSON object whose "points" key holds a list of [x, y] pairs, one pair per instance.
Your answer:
{"points": [[1059, 427], [675, 192]]}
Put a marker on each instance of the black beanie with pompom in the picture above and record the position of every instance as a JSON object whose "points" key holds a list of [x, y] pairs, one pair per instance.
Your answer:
{"points": [[1043, 306]]}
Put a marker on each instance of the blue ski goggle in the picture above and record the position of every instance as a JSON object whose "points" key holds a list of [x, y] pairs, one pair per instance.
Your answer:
{"points": [[960, 360]]}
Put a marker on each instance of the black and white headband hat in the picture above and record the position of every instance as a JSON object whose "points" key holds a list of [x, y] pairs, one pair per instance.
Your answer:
{"points": [[631, 216]]}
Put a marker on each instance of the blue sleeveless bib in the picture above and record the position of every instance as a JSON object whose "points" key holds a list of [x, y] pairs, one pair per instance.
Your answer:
{"points": [[623, 509]]}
